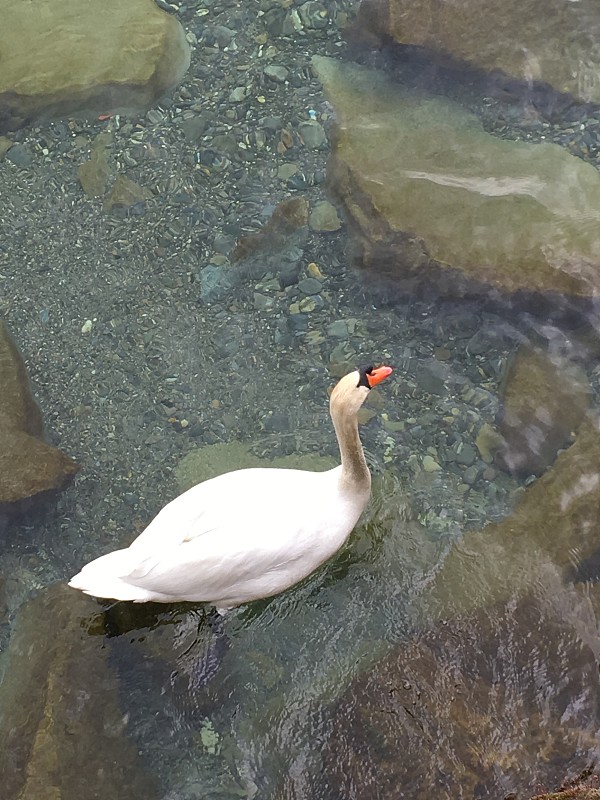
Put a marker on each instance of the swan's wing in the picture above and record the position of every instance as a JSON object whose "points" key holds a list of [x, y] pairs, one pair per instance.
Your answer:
{"points": [[228, 530], [245, 502], [196, 512]]}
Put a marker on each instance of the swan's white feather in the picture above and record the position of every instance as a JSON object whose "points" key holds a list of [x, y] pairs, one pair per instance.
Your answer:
{"points": [[235, 538]]}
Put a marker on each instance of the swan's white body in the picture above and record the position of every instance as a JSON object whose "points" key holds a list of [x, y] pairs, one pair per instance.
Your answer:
{"points": [[246, 534]]}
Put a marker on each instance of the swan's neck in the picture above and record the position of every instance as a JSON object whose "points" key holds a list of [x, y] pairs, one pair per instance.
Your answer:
{"points": [[355, 473]]}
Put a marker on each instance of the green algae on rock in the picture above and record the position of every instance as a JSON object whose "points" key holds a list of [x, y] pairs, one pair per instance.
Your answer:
{"points": [[65, 56], [28, 465], [554, 526], [431, 197], [208, 462]]}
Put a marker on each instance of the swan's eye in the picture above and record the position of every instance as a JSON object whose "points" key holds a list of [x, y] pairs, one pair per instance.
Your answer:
{"points": [[363, 372]]}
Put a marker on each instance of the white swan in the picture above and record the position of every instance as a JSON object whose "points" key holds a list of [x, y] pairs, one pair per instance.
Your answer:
{"points": [[250, 533]]}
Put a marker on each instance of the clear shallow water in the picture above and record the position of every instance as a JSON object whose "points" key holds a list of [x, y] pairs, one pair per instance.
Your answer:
{"points": [[424, 607]]}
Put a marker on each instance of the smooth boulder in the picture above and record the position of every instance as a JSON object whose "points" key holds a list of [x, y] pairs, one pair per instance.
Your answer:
{"points": [[553, 42], [64, 734], [431, 197], [74, 56]]}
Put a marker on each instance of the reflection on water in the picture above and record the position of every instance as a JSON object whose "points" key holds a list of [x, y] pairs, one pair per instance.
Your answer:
{"points": [[451, 648]]}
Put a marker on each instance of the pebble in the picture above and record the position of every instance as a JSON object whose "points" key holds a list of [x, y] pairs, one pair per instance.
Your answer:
{"points": [[19, 155], [312, 134], [87, 326], [310, 286], [286, 171], [262, 302], [314, 271], [298, 181], [464, 454], [488, 441], [238, 95], [276, 73], [314, 338], [313, 15], [289, 275], [324, 217], [471, 474], [272, 124], [298, 323], [215, 282], [430, 464], [338, 329], [220, 34], [195, 127], [307, 304]]}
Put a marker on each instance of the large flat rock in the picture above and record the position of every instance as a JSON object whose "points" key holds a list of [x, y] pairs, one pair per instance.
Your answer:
{"points": [[556, 42], [431, 196], [69, 56]]}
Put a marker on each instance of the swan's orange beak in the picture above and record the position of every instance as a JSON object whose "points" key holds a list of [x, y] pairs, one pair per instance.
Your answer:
{"points": [[377, 375]]}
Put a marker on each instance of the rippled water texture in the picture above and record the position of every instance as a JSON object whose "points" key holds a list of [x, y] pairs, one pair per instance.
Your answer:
{"points": [[184, 285]]}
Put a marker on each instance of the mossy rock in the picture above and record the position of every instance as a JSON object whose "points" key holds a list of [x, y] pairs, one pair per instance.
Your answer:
{"points": [[216, 459]]}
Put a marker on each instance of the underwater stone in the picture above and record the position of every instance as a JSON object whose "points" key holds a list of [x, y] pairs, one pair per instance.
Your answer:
{"points": [[208, 462], [216, 281], [454, 684], [545, 399], [533, 34], [28, 465], [312, 134], [431, 197], [62, 728], [59, 57], [94, 174], [126, 193], [324, 217]]}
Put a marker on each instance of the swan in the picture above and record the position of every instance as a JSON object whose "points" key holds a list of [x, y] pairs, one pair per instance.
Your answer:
{"points": [[247, 534]]}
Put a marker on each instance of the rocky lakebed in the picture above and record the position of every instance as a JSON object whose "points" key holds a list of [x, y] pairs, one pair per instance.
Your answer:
{"points": [[212, 210]]}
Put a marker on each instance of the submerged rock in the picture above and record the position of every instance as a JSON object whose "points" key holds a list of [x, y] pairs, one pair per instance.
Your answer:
{"points": [[287, 222], [27, 464], [94, 174], [430, 196], [126, 193], [324, 217], [275, 249], [544, 402], [533, 33], [208, 462], [63, 732], [63, 57], [483, 706], [554, 527], [503, 690]]}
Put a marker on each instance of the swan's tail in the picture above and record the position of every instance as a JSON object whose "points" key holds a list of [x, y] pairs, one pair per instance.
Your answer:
{"points": [[107, 577]]}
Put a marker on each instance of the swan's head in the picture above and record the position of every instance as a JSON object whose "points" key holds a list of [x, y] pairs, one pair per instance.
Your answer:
{"points": [[352, 390]]}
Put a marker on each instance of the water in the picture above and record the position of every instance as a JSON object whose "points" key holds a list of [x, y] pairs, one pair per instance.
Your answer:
{"points": [[451, 648]]}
